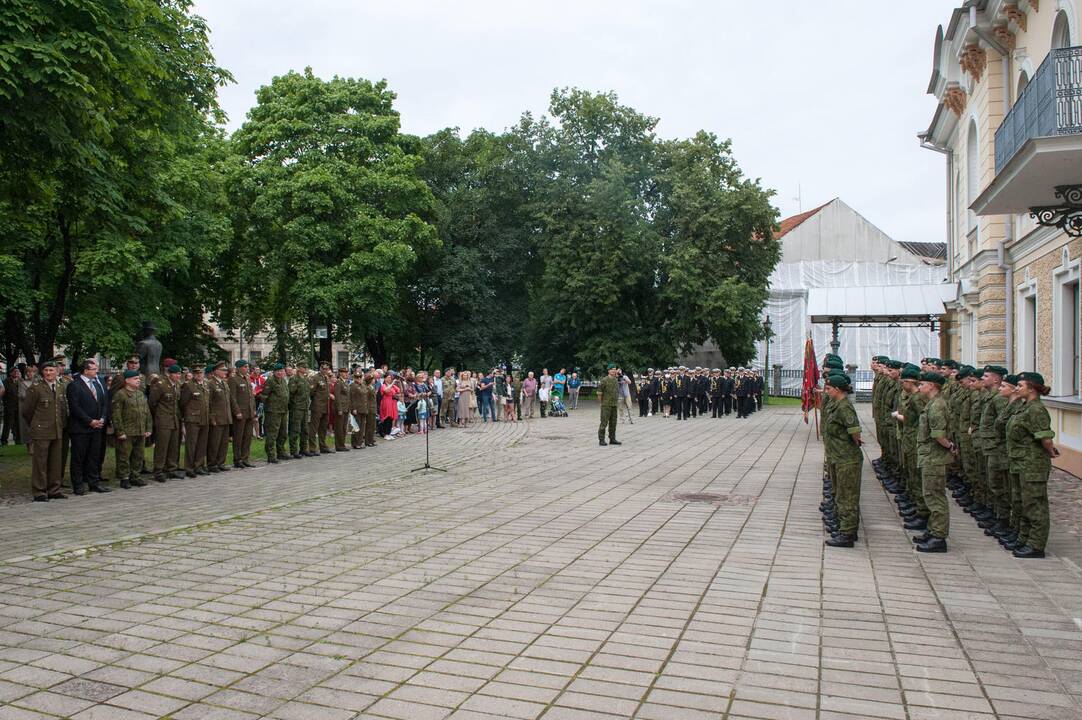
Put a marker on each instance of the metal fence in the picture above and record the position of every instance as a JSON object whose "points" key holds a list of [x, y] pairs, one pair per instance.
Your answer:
{"points": [[789, 382]]}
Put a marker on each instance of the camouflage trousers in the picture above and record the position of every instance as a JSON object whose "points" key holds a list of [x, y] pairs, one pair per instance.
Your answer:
{"points": [[847, 496], [1035, 521], [934, 489], [913, 486]]}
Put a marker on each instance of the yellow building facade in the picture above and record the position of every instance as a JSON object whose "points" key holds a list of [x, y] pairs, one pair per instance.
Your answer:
{"points": [[1008, 77]]}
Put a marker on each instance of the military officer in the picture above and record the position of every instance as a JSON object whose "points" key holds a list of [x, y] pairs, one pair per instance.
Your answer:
{"points": [[608, 393], [1015, 404], [935, 453], [300, 401], [320, 394], [131, 426], [242, 405], [370, 390], [680, 394], [993, 452], [340, 399], [907, 414], [164, 401], [358, 407], [45, 411], [221, 418], [275, 396], [195, 410]]}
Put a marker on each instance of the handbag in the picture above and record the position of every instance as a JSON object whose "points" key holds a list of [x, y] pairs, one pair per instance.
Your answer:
{"points": [[543, 395]]}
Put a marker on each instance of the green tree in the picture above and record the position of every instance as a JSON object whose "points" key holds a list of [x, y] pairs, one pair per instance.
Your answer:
{"points": [[329, 212], [98, 100]]}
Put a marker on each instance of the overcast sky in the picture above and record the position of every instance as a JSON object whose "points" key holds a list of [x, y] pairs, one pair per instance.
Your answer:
{"points": [[824, 97]]}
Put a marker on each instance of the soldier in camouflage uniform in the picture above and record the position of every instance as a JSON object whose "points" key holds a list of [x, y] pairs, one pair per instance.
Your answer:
{"points": [[995, 449], [911, 404], [841, 440], [358, 407], [1009, 389], [299, 403], [608, 391], [275, 396], [320, 393], [131, 427], [1029, 435], [935, 453]]}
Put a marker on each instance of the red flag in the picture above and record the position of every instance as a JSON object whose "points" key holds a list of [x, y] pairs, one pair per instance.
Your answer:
{"points": [[808, 398]]}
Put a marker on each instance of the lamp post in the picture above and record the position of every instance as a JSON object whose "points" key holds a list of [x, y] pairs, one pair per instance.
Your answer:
{"points": [[766, 362]]}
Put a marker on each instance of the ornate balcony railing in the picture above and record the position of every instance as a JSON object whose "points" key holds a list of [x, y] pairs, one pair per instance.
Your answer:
{"points": [[1050, 105]]}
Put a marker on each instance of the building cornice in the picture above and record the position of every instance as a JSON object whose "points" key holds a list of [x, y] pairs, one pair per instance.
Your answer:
{"points": [[1031, 242]]}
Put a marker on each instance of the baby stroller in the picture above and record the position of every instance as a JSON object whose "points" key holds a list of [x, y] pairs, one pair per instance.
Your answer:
{"points": [[558, 409]]}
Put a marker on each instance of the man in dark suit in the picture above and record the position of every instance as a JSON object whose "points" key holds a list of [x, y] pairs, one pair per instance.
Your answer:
{"points": [[88, 414]]}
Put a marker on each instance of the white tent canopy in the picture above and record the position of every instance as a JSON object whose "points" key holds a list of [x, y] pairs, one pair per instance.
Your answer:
{"points": [[881, 304]]}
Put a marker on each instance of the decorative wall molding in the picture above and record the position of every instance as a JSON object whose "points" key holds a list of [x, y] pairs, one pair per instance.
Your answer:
{"points": [[973, 60], [955, 98]]}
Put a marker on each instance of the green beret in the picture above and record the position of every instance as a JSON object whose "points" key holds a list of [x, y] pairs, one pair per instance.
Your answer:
{"points": [[130, 374], [880, 358], [996, 370], [952, 364], [910, 372], [963, 373], [240, 363], [842, 382], [610, 366], [1032, 377], [933, 361], [911, 365], [279, 366], [834, 364], [894, 364], [173, 370], [1012, 379], [932, 377], [210, 369]]}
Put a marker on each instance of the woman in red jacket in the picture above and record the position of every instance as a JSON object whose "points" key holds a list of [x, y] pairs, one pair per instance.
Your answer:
{"points": [[388, 405]]}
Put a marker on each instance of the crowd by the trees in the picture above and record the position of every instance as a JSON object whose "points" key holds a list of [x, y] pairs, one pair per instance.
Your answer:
{"points": [[577, 235]]}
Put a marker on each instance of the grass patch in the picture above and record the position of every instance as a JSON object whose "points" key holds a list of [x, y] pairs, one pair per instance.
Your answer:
{"points": [[782, 400]]}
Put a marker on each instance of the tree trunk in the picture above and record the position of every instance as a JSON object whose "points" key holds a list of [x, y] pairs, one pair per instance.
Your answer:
{"points": [[377, 348]]}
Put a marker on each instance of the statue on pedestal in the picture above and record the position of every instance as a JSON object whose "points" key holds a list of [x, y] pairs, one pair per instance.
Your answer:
{"points": [[149, 350]]}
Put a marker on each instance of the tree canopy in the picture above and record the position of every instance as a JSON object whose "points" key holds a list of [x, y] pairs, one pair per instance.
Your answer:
{"points": [[577, 237]]}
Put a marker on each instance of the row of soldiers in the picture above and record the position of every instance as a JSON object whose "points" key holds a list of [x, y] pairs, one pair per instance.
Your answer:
{"points": [[981, 433], [208, 411], [683, 392]]}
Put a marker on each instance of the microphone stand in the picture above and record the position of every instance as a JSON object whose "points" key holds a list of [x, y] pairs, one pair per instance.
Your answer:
{"points": [[427, 466]]}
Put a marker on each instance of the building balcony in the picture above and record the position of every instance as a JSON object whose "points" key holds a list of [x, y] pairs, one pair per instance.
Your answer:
{"points": [[1038, 146]]}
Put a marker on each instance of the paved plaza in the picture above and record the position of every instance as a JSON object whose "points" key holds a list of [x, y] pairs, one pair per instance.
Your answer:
{"points": [[541, 577]]}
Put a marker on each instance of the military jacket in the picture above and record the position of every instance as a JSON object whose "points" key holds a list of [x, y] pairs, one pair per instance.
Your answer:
{"points": [[609, 390], [370, 393], [45, 410], [680, 387], [275, 395], [241, 399], [220, 404], [1027, 428], [986, 424], [911, 407], [341, 396], [195, 402], [358, 398], [838, 430], [299, 394], [131, 414], [932, 427], [1006, 412], [164, 404], [320, 394]]}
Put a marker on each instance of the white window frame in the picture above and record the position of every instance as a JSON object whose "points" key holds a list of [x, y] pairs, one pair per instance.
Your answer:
{"points": [[1063, 357], [1026, 345], [969, 338]]}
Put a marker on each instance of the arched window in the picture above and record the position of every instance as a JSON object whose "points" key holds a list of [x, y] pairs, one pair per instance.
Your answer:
{"points": [[972, 175], [1061, 31], [1023, 81]]}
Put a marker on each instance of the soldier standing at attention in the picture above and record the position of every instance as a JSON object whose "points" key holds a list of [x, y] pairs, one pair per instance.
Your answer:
{"points": [[275, 396], [841, 438], [341, 410], [299, 402], [242, 405], [320, 394], [910, 406], [164, 404], [221, 419], [45, 410], [373, 406], [1015, 404], [991, 456], [935, 453], [132, 426], [195, 409], [608, 393], [358, 407], [1029, 434]]}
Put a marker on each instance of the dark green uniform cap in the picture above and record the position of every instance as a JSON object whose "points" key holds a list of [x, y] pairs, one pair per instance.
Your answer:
{"points": [[842, 382], [894, 364], [952, 364], [130, 374], [932, 377], [996, 370], [910, 372], [174, 370], [1032, 377], [1012, 379]]}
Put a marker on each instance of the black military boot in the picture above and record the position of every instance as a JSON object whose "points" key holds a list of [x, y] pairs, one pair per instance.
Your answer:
{"points": [[1026, 551], [933, 545], [917, 523], [840, 540]]}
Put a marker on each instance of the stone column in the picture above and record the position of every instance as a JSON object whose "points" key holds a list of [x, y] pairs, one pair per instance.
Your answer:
{"points": [[776, 382]]}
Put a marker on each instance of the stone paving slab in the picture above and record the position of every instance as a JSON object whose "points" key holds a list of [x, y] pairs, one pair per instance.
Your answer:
{"points": [[542, 577]]}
